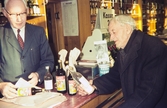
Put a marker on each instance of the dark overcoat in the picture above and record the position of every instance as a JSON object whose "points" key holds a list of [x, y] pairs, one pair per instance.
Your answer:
{"points": [[142, 75]]}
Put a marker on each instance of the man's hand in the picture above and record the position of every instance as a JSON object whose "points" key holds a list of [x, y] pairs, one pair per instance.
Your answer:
{"points": [[82, 92], [34, 78], [8, 90]]}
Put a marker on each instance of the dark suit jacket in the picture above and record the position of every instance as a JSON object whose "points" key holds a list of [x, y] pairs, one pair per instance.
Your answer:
{"points": [[15, 62], [142, 76]]}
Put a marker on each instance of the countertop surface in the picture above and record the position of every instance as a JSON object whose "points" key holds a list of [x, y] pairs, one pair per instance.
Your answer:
{"points": [[75, 101]]}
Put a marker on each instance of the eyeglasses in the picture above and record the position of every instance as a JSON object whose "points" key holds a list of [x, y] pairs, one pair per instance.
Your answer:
{"points": [[16, 14]]}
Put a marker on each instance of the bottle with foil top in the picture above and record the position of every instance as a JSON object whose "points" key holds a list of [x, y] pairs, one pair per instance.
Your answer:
{"points": [[28, 91], [81, 81], [48, 80], [61, 79], [72, 90]]}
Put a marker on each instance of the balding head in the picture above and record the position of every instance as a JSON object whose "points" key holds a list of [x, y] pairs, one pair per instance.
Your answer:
{"points": [[16, 12], [10, 3]]}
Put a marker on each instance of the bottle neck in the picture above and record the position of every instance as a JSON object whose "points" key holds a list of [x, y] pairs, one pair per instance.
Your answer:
{"points": [[70, 77], [47, 70], [35, 90], [60, 65]]}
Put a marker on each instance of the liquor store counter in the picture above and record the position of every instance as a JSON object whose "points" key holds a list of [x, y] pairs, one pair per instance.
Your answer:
{"points": [[92, 101], [77, 101]]}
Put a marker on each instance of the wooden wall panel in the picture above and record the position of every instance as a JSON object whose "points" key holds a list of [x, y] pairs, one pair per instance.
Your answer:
{"points": [[84, 27], [84, 20], [69, 42], [58, 40]]}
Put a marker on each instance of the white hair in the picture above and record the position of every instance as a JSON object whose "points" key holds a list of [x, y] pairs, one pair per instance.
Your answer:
{"points": [[6, 1], [125, 19]]}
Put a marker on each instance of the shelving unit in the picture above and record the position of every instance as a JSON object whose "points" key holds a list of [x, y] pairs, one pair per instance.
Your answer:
{"points": [[153, 16], [36, 19], [120, 7], [94, 6]]}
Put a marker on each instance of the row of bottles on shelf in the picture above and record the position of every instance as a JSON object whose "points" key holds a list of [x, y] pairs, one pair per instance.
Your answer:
{"points": [[153, 17], [120, 6], [33, 7], [152, 9], [117, 6]]}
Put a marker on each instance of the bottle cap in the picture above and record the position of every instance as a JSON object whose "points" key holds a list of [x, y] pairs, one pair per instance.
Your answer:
{"points": [[59, 61], [47, 67], [43, 89]]}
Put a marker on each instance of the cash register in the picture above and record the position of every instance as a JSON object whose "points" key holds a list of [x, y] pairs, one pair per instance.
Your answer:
{"points": [[99, 33]]}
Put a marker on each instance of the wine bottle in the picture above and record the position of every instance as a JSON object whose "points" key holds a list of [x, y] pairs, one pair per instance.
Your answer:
{"points": [[61, 79], [28, 91], [81, 81], [30, 7], [36, 8], [70, 82], [48, 80], [71, 86]]}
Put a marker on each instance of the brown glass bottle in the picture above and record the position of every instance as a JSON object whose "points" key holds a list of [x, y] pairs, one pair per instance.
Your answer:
{"points": [[71, 86], [61, 83]]}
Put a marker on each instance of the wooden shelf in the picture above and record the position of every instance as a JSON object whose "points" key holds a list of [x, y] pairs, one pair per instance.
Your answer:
{"points": [[36, 19], [34, 15]]}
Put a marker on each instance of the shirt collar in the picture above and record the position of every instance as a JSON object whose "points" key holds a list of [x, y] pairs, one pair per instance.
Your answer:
{"points": [[22, 32]]}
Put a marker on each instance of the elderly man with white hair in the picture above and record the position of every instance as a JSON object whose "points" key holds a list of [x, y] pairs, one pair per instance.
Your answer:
{"points": [[140, 69]]}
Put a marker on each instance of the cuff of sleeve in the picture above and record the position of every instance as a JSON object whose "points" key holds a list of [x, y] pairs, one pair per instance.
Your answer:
{"points": [[38, 77], [94, 87]]}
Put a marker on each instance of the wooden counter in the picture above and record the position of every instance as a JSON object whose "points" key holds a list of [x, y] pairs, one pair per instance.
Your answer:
{"points": [[76, 101], [90, 101]]}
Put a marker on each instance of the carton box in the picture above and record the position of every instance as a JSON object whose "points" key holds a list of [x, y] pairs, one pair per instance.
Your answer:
{"points": [[88, 71]]}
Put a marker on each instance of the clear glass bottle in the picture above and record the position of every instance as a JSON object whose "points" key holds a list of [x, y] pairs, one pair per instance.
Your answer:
{"points": [[61, 82], [48, 80], [82, 81], [36, 8]]}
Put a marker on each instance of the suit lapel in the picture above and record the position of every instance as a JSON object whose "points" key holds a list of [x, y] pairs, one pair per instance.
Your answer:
{"points": [[129, 58], [132, 51], [12, 40]]}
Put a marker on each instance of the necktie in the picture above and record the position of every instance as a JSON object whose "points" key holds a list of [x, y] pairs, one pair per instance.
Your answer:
{"points": [[20, 40]]}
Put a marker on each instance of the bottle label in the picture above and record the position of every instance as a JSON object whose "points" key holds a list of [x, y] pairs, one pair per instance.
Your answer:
{"points": [[61, 83], [72, 88], [48, 84], [86, 85], [24, 91]]}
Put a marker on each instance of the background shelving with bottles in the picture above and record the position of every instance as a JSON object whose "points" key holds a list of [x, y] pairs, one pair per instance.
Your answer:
{"points": [[153, 16], [149, 14], [36, 13], [127, 7]]}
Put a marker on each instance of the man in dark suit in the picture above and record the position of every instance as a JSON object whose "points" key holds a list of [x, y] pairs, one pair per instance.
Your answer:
{"points": [[26, 59], [140, 68]]}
